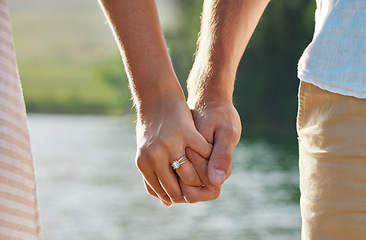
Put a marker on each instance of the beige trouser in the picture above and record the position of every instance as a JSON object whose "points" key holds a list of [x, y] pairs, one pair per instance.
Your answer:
{"points": [[332, 146]]}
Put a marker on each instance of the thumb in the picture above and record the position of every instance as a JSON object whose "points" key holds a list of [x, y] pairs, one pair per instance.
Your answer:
{"points": [[219, 165]]}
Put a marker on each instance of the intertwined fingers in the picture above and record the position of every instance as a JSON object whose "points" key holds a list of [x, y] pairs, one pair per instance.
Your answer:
{"points": [[186, 171], [199, 194], [200, 164]]}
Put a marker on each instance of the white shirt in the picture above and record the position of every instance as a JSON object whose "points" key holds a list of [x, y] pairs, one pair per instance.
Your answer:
{"points": [[335, 60]]}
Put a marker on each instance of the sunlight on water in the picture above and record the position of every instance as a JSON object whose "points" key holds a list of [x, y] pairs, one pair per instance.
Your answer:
{"points": [[90, 189]]}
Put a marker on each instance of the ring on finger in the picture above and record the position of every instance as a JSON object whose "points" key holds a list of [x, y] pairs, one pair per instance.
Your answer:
{"points": [[177, 163]]}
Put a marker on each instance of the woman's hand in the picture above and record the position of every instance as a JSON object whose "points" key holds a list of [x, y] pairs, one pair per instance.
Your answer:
{"points": [[165, 129]]}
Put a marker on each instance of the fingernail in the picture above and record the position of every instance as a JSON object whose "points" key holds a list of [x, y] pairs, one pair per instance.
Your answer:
{"points": [[166, 199], [218, 176], [166, 204]]}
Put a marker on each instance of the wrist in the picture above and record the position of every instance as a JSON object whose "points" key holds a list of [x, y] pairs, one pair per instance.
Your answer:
{"points": [[203, 100], [157, 92], [207, 85]]}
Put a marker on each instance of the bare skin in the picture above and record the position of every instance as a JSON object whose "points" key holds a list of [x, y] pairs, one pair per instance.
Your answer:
{"points": [[225, 32], [168, 127], [165, 126]]}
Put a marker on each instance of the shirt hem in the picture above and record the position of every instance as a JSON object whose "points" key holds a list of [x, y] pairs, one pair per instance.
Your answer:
{"points": [[334, 88]]}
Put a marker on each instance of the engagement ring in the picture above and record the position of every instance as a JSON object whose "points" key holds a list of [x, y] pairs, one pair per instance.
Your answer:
{"points": [[177, 163]]}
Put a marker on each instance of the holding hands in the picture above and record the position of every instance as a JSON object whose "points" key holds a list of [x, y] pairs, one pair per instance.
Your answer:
{"points": [[184, 149], [165, 131], [185, 155]]}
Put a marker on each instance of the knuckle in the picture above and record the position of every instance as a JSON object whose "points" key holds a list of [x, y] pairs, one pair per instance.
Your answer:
{"points": [[151, 192], [233, 132], [213, 194], [191, 199], [149, 155], [177, 198], [140, 162], [154, 152], [225, 156], [216, 193], [164, 141]]}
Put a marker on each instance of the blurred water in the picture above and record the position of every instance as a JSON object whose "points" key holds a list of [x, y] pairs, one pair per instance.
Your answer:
{"points": [[90, 189]]}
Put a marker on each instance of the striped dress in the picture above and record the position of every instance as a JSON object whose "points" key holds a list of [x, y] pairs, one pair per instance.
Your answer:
{"points": [[19, 215]]}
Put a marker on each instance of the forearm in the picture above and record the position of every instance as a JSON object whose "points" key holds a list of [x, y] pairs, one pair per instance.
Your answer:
{"points": [[138, 33], [225, 32]]}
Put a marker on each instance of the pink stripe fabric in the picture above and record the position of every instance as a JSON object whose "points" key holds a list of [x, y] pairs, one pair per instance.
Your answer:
{"points": [[19, 214]]}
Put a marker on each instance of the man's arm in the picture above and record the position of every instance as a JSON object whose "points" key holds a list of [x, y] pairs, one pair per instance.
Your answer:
{"points": [[164, 125], [227, 26]]}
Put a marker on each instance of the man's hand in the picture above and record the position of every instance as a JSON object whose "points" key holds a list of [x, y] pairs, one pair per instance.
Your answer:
{"points": [[226, 28], [207, 191], [219, 123]]}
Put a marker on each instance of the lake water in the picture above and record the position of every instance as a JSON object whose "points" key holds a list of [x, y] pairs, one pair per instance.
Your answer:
{"points": [[90, 189]]}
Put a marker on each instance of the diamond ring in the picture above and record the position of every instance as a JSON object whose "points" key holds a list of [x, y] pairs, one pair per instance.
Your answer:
{"points": [[177, 163]]}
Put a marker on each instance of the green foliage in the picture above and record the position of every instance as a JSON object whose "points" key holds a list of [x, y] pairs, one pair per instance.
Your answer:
{"points": [[182, 40], [266, 88]]}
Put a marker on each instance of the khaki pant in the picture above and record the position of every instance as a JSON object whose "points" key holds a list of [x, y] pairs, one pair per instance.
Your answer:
{"points": [[332, 148]]}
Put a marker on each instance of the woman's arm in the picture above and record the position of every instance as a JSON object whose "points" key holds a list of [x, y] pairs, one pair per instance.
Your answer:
{"points": [[137, 30]]}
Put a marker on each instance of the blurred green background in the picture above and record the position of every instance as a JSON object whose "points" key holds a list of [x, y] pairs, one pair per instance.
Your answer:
{"points": [[69, 63]]}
